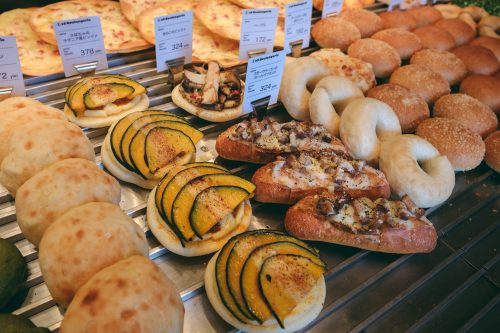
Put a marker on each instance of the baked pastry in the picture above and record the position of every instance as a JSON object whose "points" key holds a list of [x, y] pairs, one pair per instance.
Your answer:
{"points": [[492, 155], [404, 42], [448, 10], [288, 180], [335, 32], [464, 148], [491, 43], [443, 62], [410, 108], [16, 103], [92, 236], [398, 19], [478, 59], [56, 189], [372, 224], [489, 26], [484, 88], [258, 4], [425, 15], [433, 37], [461, 31], [366, 21], [132, 9], [383, 57], [131, 295], [467, 110]]}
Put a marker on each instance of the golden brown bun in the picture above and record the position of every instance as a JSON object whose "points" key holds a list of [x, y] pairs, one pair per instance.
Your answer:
{"points": [[484, 88], [422, 81], [367, 22], [467, 110], [334, 32], [435, 38], [443, 62], [464, 148], [462, 33], [425, 15], [398, 19], [268, 190], [381, 55], [404, 42], [492, 156], [478, 59], [303, 221], [410, 108], [491, 43]]}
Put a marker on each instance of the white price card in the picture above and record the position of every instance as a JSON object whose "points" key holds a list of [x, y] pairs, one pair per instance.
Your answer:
{"points": [[263, 78], [80, 41], [10, 68], [298, 23], [331, 7], [174, 38], [394, 3], [258, 27]]}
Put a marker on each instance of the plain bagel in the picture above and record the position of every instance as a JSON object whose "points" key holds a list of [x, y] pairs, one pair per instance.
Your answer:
{"points": [[489, 26]]}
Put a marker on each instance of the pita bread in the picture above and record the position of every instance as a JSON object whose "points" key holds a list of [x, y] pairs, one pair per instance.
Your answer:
{"points": [[351, 4], [256, 4], [57, 188], [36, 56], [133, 8], [37, 145], [223, 18], [119, 35], [131, 296], [92, 236], [16, 103]]}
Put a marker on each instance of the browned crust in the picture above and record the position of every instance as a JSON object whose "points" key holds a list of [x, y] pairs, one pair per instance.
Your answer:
{"points": [[304, 222], [268, 190]]}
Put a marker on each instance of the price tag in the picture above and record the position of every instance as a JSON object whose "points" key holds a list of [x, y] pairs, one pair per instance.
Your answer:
{"points": [[174, 38], [258, 27], [297, 23], [263, 79], [80, 41], [331, 7], [10, 68], [393, 4]]}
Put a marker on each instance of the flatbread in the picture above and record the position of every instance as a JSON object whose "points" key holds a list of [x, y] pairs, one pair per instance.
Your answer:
{"points": [[131, 296], [119, 35], [256, 4], [16, 103], [61, 186], [37, 145], [133, 8], [36, 56], [223, 18], [207, 46]]}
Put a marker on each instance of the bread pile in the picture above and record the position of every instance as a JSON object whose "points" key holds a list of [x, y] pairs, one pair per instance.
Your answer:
{"points": [[94, 258]]}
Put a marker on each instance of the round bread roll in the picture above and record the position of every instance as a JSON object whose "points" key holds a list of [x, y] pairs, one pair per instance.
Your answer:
{"points": [[492, 156], [367, 22], [464, 148], [83, 241], [467, 110], [354, 69], [422, 81], [478, 59], [404, 42], [33, 147], [334, 32], [410, 108], [398, 19], [476, 12], [448, 10], [462, 33], [491, 43], [484, 88], [433, 37], [56, 189], [131, 296], [425, 15], [383, 58], [443, 62]]}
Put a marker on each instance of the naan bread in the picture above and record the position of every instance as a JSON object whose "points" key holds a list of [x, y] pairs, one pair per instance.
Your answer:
{"points": [[36, 56], [133, 8], [132, 296], [280, 4], [38, 144], [351, 4], [224, 19], [17, 102], [207, 46], [82, 242], [119, 35]]}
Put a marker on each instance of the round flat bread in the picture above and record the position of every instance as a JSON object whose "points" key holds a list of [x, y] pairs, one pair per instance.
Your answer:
{"points": [[17, 103], [36, 56], [223, 18], [119, 35], [256, 4], [133, 8]]}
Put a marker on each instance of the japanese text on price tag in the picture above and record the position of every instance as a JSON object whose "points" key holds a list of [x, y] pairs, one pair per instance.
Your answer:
{"points": [[174, 38], [258, 27], [263, 79], [393, 4], [80, 41], [331, 6], [10, 69], [297, 23]]}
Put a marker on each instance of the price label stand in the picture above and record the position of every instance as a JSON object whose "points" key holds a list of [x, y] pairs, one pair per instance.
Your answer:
{"points": [[296, 47], [259, 106], [5, 92], [175, 68], [86, 69]]}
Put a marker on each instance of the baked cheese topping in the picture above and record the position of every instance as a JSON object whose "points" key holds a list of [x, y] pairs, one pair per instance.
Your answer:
{"points": [[113, 108]]}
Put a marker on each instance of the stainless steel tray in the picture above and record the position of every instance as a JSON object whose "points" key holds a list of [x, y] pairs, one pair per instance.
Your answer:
{"points": [[456, 287]]}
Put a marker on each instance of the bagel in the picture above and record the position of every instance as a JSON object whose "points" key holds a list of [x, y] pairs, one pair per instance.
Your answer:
{"points": [[298, 76], [449, 10], [477, 13], [484, 88], [492, 156], [364, 124], [414, 167], [330, 97], [467, 18], [489, 26], [462, 33], [443, 62], [433, 37], [383, 57], [425, 15], [478, 59], [404, 42], [335, 32], [491, 43]]}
